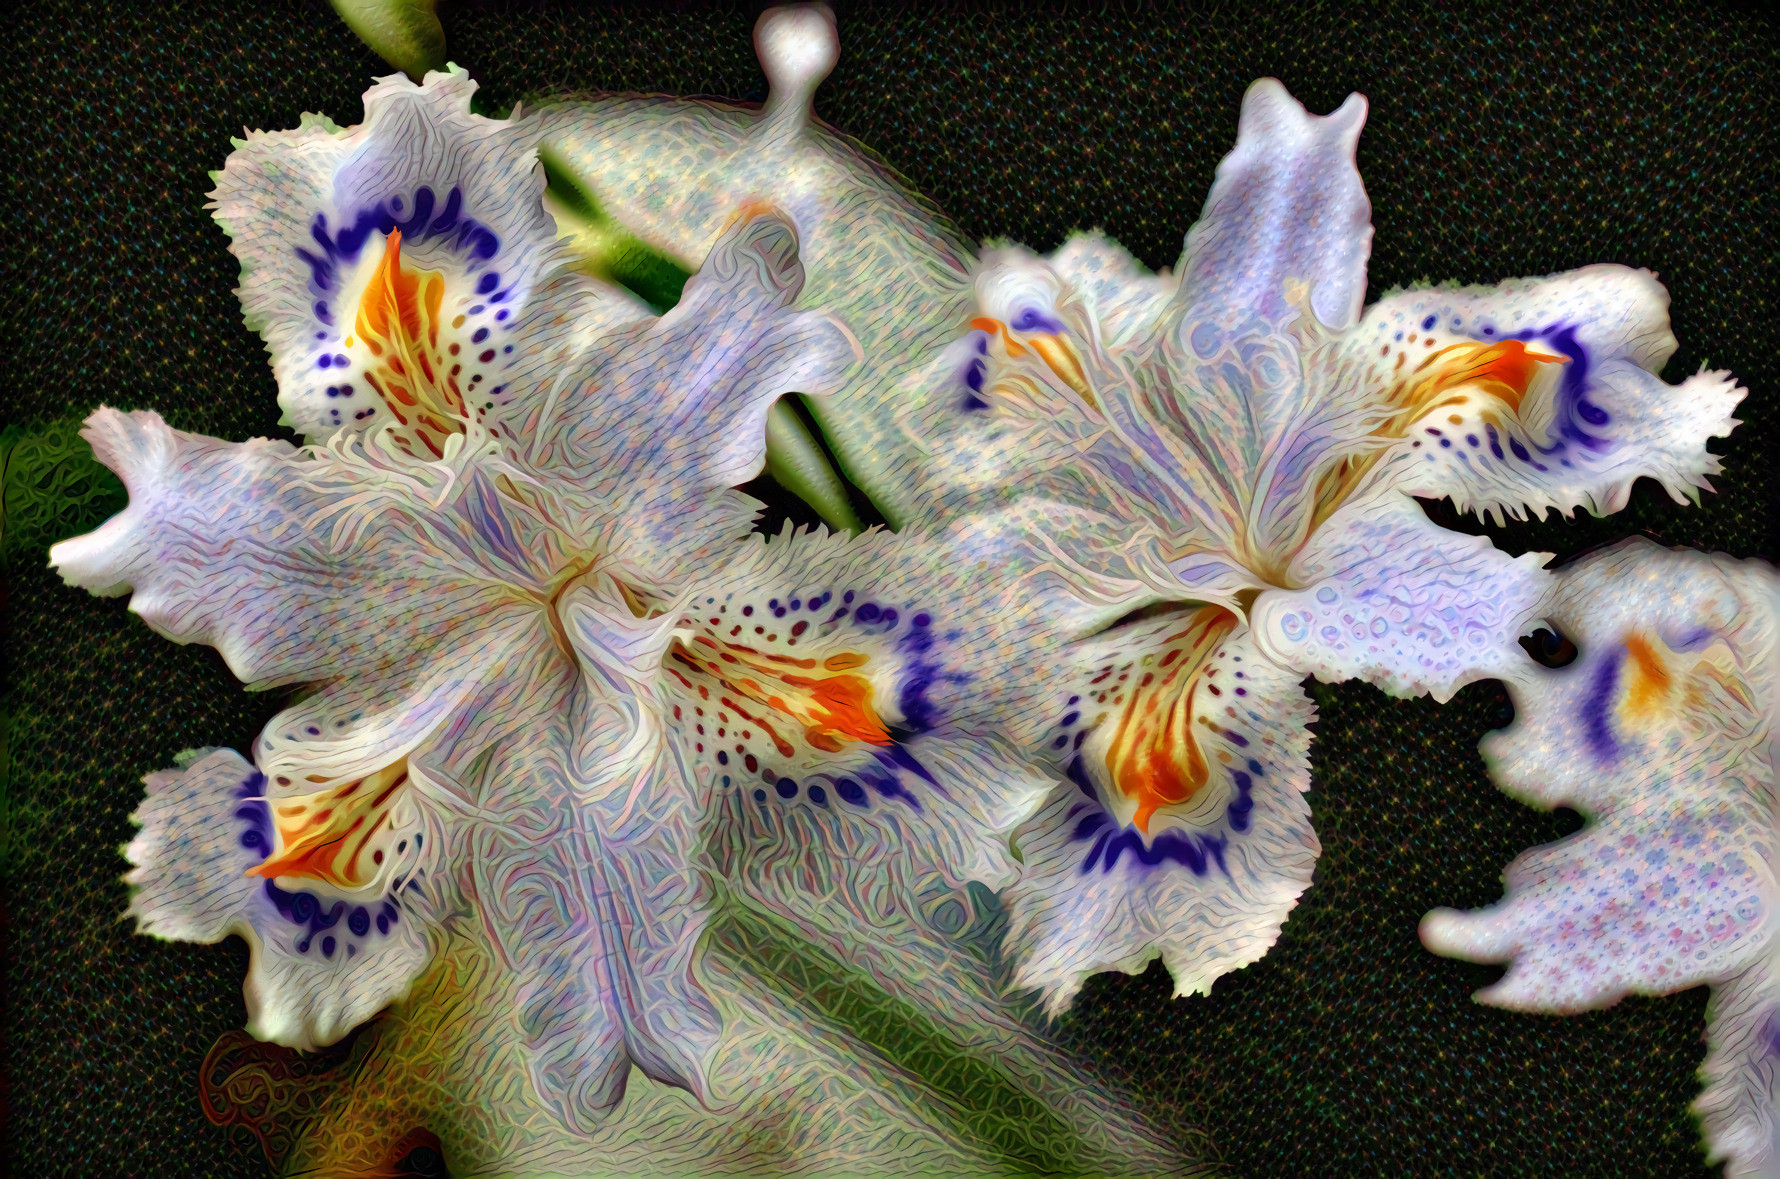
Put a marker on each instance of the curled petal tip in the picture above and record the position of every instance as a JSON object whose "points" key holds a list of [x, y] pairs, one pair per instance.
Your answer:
{"points": [[798, 45]]}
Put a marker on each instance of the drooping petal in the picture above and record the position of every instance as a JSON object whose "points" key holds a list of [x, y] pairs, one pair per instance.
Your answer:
{"points": [[404, 272], [241, 546], [1287, 207], [322, 963], [1182, 831], [1393, 599], [673, 172], [1540, 393], [592, 887], [1661, 733]]}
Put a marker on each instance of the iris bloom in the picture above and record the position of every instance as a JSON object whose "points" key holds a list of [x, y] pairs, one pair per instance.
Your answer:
{"points": [[1245, 425], [1661, 732], [1238, 444], [547, 665]]}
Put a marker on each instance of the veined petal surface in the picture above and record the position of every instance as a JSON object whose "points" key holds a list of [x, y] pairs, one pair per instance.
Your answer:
{"points": [[1661, 732]]}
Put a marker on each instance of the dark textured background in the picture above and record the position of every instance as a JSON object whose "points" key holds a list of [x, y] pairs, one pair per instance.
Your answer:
{"points": [[1498, 145]]}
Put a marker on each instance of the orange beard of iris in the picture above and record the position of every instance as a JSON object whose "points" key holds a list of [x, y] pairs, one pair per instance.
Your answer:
{"points": [[1154, 758], [398, 319], [1649, 683], [325, 836], [832, 709], [1446, 376]]}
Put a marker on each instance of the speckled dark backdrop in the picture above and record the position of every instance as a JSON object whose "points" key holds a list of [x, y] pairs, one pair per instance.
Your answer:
{"points": [[1498, 145]]}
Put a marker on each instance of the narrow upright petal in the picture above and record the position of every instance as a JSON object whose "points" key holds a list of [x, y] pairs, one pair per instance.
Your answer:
{"points": [[673, 171], [1287, 207]]}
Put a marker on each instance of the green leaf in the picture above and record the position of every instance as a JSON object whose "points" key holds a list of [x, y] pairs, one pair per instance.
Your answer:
{"points": [[796, 460], [405, 33]]}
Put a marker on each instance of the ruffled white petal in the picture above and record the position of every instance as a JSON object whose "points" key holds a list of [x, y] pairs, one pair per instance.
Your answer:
{"points": [[308, 212], [236, 545], [863, 712], [322, 963], [1661, 732], [1596, 416], [1208, 896], [1393, 599]]}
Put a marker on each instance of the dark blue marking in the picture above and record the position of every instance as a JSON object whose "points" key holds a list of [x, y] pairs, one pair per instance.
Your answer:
{"points": [[722, 758], [1195, 852], [1069, 718], [466, 235], [1094, 852], [868, 613], [489, 282], [850, 792], [1594, 709], [1520, 452], [1089, 824], [897, 757], [1495, 442], [1033, 320], [1078, 773], [786, 788], [818, 795], [359, 921], [973, 376], [891, 787], [1061, 742], [481, 335], [796, 604], [1429, 322], [1238, 811], [1573, 402], [327, 946], [760, 796]]}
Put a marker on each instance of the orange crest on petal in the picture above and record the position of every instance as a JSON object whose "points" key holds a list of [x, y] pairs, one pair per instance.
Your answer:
{"points": [[335, 835], [1154, 758], [398, 319]]}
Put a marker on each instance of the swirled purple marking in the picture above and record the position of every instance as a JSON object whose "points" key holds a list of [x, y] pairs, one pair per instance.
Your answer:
{"points": [[1594, 711], [467, 236], [301, 907], [1576, 415]]}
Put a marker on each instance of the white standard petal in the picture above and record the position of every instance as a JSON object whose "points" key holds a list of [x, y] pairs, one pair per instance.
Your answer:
{"points": [[1287, 207]]}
